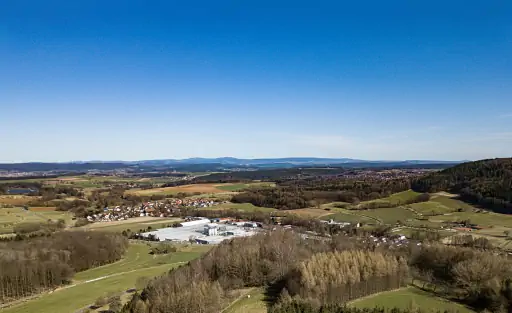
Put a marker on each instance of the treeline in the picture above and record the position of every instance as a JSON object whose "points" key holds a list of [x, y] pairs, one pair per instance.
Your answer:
{"points": [[297, 194], [5, 187], [338, 277], [302, 306], [487, 183], [268, 175], [267, 259], [31, 266], [478, 278]]}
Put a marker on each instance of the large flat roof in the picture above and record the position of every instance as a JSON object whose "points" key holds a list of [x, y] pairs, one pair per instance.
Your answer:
{"points": [[186, 232]]}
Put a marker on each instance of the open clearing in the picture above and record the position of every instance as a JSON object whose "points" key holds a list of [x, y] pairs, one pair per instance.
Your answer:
{"points": [[253, 304], [116, 277], [407, 297]]}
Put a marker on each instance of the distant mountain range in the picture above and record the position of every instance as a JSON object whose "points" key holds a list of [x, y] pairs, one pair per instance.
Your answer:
{"points": [[218, 164], [291, 161]]}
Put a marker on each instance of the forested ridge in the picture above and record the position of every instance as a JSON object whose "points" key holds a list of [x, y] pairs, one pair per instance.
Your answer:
{"points": [[297, 194], [487, 183]]}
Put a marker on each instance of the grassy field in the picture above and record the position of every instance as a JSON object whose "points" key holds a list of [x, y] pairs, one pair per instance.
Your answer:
{"points": [[401, 197], [407, 297], [431, 208], [349, 217], [193, 188], [484, 219], [397, 198], [240, 187], [246, 207], [253, 304], [9, 217], [134, 224], [198, 188], [311, 213], [138, 257], [451, 202], [107, 279], [390, 215]]}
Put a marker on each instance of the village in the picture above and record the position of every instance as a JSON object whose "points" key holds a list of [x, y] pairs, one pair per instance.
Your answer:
{"points": [[152, 209]]}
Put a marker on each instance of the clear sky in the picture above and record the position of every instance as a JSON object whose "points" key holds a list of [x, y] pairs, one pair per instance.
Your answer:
{"points": [[128, 80]]}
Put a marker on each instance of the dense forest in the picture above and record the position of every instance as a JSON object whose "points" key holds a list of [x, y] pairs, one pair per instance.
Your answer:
{"points": [[302, 275], [263, 260], [297, 194], [487, 183], [30, 266]]}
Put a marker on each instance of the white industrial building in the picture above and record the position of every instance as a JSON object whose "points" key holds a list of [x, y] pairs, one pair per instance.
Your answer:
{"points": [[202, 231]]}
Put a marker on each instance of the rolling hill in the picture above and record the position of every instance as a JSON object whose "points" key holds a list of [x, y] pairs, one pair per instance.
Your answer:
{"points": [[486, 182]]}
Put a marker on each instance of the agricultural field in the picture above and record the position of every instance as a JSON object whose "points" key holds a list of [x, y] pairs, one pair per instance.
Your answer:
{"points": [[409, 297], [16, 200], [311, 213], [134, 224], [397, 198], [349, 217], [240, 187], [246, 207], [389, 215], [451, 202], [113, 278], [213, 188], [484, 218], [193, 188], [431, 208], [9, 217], [401, 197]]}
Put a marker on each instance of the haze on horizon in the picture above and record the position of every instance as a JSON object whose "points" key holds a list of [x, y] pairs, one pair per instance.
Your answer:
{"points": [[371, 80]]}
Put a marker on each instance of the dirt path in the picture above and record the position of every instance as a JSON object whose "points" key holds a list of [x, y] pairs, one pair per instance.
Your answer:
{"points": [[374, 295], [243, 295]]}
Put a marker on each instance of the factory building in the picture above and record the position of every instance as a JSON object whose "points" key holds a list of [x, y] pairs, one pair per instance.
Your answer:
{"points": [[203, 231]]}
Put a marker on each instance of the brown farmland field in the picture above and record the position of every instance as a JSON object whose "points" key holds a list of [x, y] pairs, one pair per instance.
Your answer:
{"points": [[17, 200], [42, 209], [202, 188]]}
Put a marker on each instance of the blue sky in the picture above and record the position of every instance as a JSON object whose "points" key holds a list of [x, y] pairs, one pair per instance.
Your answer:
{"points": [[111, 80]]}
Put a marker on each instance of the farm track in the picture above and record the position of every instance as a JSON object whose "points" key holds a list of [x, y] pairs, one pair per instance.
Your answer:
{"points": [[243, 295], [79, 283]]}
